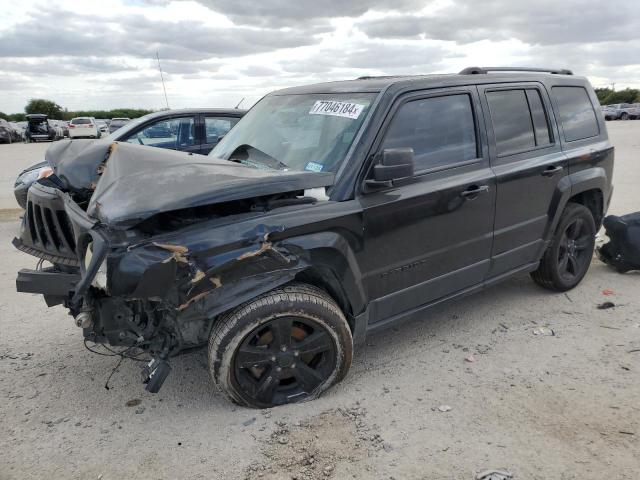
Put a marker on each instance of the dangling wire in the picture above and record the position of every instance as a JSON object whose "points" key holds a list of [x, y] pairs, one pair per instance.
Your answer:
{"points": [[115, 369]]}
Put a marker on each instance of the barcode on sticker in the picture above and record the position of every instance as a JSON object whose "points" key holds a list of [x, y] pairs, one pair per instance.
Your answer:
{"points": [[338, 109]]}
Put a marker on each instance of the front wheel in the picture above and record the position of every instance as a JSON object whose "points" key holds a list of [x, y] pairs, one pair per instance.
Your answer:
{"points": [[285, 346], [567, 258]]}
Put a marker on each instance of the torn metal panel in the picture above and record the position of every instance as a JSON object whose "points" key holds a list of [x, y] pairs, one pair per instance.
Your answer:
{"points": [[179, 180]]}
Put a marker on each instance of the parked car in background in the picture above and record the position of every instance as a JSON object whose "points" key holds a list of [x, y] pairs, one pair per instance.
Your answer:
{"points": [[38, 129], [117, 123], [620, 111], [190, 130], [83, 127], [330, 212], [19, 128], [103, 126], [8, 134]]}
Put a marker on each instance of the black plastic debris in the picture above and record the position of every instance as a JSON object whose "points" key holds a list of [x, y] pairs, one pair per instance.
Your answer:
{"points": [[622, 252], [606, 305]]}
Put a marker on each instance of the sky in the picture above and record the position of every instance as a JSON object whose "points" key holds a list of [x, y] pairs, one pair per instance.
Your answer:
{"points": [[101, 54]]}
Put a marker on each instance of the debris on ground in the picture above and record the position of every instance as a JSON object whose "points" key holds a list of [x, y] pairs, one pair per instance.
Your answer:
{"points": [[246, 423], [444, 408], [494, 475], [134, 402], [545, 331], [470, 359], [606, 305], [334, 444], [608, 292]]}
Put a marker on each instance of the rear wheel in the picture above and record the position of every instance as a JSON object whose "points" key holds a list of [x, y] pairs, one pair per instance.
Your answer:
{"points": [[288, 345], [624, 116], [568, 256]]}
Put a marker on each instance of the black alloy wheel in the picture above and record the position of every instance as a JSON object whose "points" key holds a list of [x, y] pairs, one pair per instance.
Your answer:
{"points": [[568, 256], [287, 345], [575, 250], [284, 359]]}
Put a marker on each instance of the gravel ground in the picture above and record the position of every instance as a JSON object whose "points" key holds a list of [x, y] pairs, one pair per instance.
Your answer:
{"points": [[562, 406]]}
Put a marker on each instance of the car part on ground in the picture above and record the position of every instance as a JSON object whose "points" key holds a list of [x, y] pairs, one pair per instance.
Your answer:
{"points": [[622, 251], [330, 211]]}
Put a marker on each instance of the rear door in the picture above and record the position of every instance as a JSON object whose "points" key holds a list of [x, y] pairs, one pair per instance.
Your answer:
{"points": [[530, 169], [214, 128], [431, 236]]}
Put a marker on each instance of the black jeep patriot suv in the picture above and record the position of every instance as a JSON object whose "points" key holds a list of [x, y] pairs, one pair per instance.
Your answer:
{"points": [[330, 211]]}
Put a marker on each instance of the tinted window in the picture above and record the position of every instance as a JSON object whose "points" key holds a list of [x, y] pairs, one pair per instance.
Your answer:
{"points": [[576, 113], [216, 128], [511, 120], [539, 118], [80, 121], [440, 130]]}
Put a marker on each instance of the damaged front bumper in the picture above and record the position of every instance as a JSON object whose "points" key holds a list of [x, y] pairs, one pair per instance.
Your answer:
{"points": [[158, 293]]}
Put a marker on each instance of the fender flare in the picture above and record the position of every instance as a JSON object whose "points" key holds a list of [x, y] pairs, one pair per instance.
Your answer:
{"points": [[572, 185]]}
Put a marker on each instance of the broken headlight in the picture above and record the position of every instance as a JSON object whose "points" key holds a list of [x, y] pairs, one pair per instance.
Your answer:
{"points": [[100, 279]]}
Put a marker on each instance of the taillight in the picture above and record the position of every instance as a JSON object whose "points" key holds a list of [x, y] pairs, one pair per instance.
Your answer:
{"points": [[71, 125]]}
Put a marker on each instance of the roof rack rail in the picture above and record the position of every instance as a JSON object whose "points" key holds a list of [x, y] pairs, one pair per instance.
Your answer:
{"points": [[481, 70]]}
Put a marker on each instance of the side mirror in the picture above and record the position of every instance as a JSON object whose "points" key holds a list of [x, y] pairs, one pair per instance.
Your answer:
{"points": [[392, 164]]}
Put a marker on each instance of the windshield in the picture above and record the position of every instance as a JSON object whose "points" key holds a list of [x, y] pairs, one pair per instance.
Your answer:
{"points": [[296, 132]]}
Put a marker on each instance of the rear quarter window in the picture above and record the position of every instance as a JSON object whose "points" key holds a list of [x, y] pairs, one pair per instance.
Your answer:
{"points": [[577, 116]]}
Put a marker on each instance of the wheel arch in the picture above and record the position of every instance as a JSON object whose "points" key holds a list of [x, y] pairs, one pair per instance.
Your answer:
{"points": [[586, 187]]}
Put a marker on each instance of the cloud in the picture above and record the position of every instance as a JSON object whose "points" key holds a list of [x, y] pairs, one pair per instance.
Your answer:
{"points": [[65, 66], [288, 13], [52, 32], [544, 22], [214, 52]]}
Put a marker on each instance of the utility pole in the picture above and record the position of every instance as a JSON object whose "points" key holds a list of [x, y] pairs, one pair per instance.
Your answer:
{"points": [[613, 86], [162, 78]]}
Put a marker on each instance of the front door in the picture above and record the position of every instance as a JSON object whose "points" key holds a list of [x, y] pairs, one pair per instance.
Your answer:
{"points": [[432, 236]]}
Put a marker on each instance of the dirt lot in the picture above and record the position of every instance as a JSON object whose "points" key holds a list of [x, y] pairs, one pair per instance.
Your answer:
{"points": [[562, 406]]}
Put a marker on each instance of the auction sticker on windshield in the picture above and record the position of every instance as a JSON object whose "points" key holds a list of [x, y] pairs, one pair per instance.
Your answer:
{"points": [[338, 109]]}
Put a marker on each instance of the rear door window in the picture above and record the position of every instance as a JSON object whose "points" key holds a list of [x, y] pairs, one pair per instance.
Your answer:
{"points": [[577, 116], [441, 131], [520, 123]]}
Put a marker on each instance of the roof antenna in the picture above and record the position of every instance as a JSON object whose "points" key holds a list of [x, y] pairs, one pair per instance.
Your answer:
{"points": [[240, 102], [162, 78]]}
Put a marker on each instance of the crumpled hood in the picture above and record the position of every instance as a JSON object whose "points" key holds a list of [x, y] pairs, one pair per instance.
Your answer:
{"points": [[136, 182]]}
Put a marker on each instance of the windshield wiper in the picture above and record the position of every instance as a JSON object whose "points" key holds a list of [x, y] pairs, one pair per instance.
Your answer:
{"points": [[250, 155]]}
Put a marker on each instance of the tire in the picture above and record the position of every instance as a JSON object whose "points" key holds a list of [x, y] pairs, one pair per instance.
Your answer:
{"points": [[566, 260], [624, 116], [256, 363]]}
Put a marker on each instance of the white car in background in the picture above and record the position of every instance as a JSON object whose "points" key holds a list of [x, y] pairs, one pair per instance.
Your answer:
{"points": [[83, 127]]}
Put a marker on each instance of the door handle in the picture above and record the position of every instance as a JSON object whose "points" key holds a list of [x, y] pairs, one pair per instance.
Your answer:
{"points": [[473, 191], [551, 171]]}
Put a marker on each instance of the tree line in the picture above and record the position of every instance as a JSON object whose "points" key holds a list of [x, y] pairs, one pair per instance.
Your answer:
{"points": [[56, 112], [608, 96]]}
